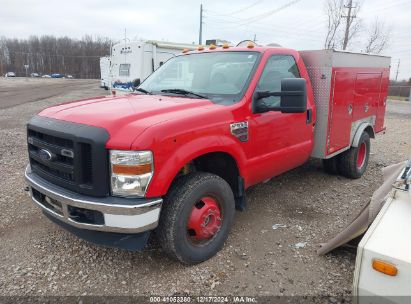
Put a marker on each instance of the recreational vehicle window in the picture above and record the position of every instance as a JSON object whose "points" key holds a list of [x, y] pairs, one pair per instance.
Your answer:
{"points": [[124, 70]]}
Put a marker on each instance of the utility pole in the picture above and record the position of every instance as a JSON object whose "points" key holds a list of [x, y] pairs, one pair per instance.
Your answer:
{"points": [[348, 24], [398, 70], [200, 34]]}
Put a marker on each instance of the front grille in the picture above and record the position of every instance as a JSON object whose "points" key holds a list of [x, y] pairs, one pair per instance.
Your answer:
{"points": [[59, 165], [86, 163], [69, 155]]}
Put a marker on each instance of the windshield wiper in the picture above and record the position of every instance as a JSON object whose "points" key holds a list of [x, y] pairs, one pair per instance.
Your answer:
{"points": [[143, 91], [183, 92]]}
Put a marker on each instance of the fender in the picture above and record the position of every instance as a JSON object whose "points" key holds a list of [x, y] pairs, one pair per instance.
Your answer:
{"points": [[360, 130], [165, 172]]}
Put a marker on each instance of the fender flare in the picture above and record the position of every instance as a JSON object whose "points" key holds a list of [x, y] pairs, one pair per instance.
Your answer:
{"points": [[361, 128], [186, 153]]}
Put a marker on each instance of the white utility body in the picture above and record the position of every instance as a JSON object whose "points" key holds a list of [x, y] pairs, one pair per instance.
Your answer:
{"points": [[388, 240], [137, 60], [105, 63]]}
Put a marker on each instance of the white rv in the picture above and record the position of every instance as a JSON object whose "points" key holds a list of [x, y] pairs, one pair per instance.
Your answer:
{"points": [[134, 61], [105, 63]]}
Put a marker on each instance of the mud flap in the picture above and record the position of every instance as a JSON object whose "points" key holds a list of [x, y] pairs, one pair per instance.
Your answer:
{"points": [[239, 197]]}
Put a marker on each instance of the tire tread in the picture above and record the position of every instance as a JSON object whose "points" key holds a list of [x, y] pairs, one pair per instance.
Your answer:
{"points": [[172, 205]]}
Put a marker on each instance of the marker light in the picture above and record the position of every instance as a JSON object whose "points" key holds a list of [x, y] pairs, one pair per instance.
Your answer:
{"points": [[225, 46], [131, 170], [385, 268], [212, 47], [200, 48], [185, 50], [250, 45]]}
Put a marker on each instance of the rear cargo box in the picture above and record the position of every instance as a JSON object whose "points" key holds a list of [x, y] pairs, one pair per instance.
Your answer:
{"points": [[350, 90]]}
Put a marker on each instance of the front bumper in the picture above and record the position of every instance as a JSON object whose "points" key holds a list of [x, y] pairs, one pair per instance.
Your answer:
{"points": [[108, 214]]}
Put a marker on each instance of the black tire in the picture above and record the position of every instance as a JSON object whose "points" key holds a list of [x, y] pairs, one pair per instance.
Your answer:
{"points": [[172, 231], [348, 160], [330, 165]]}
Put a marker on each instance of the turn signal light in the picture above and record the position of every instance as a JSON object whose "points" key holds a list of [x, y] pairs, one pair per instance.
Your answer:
{"points": [[131, 170], [385, 268]]}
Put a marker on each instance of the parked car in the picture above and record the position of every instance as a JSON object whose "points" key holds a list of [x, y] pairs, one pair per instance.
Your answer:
{"points": [[57, 75], [34, 75], [10, 74], [46, 76]]}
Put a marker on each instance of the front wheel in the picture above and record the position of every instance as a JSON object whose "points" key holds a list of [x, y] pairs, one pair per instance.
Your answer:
{"points": [[196, 217], [353, 163]]}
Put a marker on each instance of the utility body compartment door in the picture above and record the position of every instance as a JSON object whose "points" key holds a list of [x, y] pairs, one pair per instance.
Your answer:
{"points": [[367, 93], [341, 111], [356, 94]]}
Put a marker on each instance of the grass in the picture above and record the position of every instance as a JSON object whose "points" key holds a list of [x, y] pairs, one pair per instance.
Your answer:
{"points": [[397, 98]]}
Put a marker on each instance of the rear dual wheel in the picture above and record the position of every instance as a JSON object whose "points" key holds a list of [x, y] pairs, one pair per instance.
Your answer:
{"points": [[196, 218], [351, 163], [354, 162]]}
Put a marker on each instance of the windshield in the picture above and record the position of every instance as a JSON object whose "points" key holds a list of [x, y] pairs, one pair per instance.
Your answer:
{"points": [[221, 77]]}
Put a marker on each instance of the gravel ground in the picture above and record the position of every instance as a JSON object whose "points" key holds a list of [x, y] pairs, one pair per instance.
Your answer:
{"points": [[39, 258]]}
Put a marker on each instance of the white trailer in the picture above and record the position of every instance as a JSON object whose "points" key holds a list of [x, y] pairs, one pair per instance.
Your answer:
{"points": [[135, 61], [383, 265], [105, 63]]}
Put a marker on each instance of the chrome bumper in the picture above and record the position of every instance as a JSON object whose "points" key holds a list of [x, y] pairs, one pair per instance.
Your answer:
{"points": [[110, 214]]}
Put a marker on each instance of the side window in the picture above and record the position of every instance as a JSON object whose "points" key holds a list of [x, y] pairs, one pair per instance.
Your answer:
{"points": [[276, 68], [124, 70]]}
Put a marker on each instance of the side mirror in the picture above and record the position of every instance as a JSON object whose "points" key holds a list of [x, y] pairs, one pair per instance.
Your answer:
{"points": [[293, 97]]}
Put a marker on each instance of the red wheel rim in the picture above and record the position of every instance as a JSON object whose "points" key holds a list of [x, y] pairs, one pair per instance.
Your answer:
{"points": [[362, 151], [205, 220]]}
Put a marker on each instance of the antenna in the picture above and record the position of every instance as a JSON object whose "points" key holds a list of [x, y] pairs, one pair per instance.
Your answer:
{"points": [[200, 34]]}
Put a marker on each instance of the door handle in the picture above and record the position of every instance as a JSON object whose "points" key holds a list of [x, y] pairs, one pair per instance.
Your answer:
{"points": [[350, 109], [309, 116]]}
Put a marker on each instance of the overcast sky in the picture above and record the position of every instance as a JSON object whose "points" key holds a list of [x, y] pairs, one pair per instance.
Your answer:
{"points": [[301, 25]]}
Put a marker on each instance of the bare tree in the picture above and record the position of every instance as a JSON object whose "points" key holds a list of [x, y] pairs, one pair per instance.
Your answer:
{"points": [[334, 10], [378, 39], [338, 22]]}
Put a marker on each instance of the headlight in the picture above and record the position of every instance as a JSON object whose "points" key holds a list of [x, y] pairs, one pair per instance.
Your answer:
{"points": [[131, 172]]}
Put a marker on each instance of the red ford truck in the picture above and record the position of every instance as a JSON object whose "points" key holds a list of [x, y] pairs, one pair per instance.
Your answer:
{"points": [[177, 155]]}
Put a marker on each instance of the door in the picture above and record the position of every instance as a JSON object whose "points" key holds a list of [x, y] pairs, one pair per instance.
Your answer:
{"points": [[341, 112], [277, 142], [367, 93]]}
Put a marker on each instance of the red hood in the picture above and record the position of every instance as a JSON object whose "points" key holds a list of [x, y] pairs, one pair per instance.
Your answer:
{"points": [[120, 115]]}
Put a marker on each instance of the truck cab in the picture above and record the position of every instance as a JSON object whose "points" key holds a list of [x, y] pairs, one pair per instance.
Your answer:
{"points": [[177, 155]]}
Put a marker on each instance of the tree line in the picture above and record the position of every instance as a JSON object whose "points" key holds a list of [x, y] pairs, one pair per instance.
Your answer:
{"points": [[49, 54]]}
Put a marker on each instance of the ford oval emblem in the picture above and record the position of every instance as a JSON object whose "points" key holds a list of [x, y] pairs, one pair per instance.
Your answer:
{"points": [[45, 154]]}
